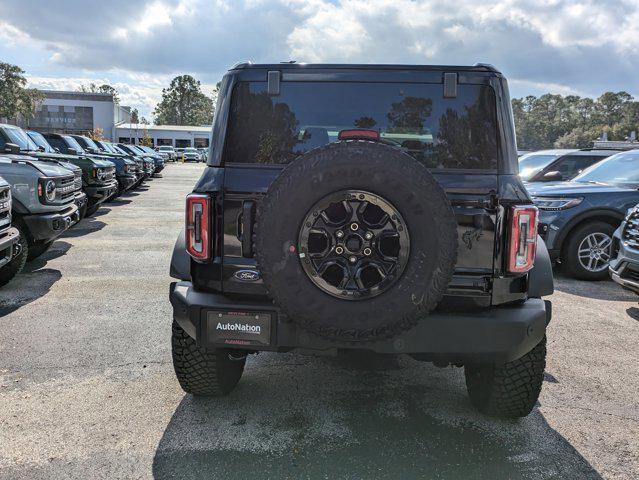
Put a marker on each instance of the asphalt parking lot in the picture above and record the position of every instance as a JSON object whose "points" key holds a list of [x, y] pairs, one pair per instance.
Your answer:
{"points": [[87, 388]]}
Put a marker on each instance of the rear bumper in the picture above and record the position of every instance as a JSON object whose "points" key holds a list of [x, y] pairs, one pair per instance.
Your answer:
{"points": [[51, 225], [8, 239], [497, 334], [100, 193]]}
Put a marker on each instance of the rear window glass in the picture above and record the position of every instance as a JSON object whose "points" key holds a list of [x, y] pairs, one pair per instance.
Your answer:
{"points": [[440, 132]]}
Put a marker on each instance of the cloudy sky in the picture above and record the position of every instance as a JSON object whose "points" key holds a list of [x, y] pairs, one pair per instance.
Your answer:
{"points": [[562, 46]]}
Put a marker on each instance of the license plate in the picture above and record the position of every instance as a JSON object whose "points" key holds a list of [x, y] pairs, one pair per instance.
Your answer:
{"points": [[238, 328]]}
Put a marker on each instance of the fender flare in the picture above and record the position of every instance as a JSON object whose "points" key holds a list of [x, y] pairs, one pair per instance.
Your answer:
{"points": [[18, 207], [180, 260], [540, 280], [600, 212]]}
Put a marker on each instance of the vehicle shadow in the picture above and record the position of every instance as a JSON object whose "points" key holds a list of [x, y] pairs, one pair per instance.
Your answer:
{"points": [[34, 282], [103, 210], [301, 417], [633, 312], [600, 290], [119, 201], [85, 226]]}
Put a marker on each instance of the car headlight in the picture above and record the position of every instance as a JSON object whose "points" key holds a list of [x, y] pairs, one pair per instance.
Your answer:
{"points": [[100, 174], [49, 190], [551, 203]]}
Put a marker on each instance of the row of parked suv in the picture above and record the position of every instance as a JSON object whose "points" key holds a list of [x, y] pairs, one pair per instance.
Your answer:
{"points": [[587, 210], [188, 154], [50, 181]]}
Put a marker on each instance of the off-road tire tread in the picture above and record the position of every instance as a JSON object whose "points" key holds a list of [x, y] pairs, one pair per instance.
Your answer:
{"points": [[510, 390], [200, 371], [443, 218]]}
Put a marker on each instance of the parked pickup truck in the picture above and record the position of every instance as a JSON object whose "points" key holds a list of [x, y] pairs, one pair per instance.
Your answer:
{"points": [[9, 237], [124, 167], [43, 202], [98, 176]]}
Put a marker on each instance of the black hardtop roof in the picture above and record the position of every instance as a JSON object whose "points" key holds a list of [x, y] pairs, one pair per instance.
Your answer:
{"points": [[478, 67]]}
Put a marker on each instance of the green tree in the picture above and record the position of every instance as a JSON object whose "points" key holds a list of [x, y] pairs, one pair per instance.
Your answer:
{"points": [[579, 137], [16, 100], [184, 103], [573, 121], [135, 116], [104, 88]]}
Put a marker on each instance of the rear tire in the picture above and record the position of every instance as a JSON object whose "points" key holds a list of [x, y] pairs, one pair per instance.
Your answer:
{"points": [[203, 372], [18, 262], [510, 390], [578, 241]]}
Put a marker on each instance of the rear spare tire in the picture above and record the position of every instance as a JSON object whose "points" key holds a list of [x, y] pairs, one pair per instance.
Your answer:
{"points": [[355, 241]]}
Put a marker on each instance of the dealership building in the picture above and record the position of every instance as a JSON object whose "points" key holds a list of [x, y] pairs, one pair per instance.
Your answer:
{"points": [[82, 113], [177, 135], [78, 113]]}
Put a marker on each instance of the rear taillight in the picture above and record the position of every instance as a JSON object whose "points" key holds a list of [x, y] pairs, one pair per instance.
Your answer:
{"points": [[358, 134], [198, 208], [523, 239]]}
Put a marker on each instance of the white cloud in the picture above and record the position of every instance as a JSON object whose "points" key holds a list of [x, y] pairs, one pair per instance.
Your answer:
{"points": [[567, 45]]}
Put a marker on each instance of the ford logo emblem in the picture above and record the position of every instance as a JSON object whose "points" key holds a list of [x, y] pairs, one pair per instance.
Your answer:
{"points": [[247, 275]]}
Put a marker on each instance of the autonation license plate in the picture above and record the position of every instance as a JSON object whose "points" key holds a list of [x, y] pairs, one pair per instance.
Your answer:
{"points": [[239, 328]]}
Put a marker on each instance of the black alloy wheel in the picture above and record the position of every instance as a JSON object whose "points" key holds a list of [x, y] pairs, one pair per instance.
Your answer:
{"points": [[353, 244]]}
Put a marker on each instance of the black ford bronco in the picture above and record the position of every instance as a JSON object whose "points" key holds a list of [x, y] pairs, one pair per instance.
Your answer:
{"points": [[367, 207]]}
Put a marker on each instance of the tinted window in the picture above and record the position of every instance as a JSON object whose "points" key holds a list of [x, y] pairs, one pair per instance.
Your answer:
{"points": [[40, 141], [18, 137], [571, 165], [532, 163], [57, 142], [620, 168], [73, 143], [456, 132]]}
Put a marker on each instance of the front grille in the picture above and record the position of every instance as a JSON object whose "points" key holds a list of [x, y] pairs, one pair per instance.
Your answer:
{"points": [[630, 234], [5, 208], [66, 188], [110, 174], [5, 198]]}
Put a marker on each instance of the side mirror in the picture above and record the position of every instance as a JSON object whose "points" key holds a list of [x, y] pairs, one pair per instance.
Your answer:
{"points": [[553, 176], [72, 151], [11, 148], [57, 150], [40, 148]]}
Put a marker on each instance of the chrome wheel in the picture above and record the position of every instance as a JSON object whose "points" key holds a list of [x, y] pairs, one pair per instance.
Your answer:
{"points": [[353, 244], [594, 252]]}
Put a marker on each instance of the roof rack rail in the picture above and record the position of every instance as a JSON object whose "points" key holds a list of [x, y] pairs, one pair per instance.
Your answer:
{"points": [[488, 66], [241, 64]]}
